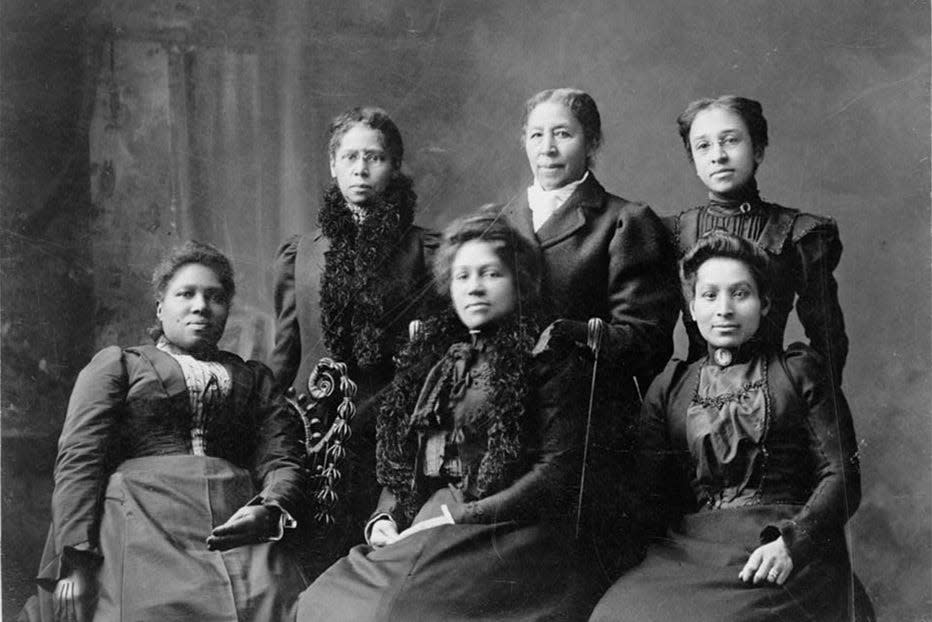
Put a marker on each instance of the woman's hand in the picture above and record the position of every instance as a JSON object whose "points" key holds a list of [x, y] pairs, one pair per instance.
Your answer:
{"points": [[249, 525], [383, 532], [769, 562], [73, 599], [456, 505]]}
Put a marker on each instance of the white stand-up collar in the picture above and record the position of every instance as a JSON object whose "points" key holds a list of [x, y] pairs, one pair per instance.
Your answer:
{"points": [[544, 203]]}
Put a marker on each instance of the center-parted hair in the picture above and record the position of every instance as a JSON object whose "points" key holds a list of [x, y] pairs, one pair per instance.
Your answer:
{"points": [[190, 252], [516, 252], [721, 244], [193, 252], [581, 105], [750, 111], [372, 117]]}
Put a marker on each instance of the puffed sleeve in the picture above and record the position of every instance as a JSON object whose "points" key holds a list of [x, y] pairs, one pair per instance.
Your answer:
{"points": [[819, 249], [663, 490], [286, 354], [81, 468], [279, 456], [833, 446], [642, 293], [550, 486]]}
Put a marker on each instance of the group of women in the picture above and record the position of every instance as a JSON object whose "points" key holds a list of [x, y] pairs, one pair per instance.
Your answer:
{"points": [[527, 472]]}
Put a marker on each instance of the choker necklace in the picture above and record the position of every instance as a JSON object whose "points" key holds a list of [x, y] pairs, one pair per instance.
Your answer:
{"points": [[725, 356]]}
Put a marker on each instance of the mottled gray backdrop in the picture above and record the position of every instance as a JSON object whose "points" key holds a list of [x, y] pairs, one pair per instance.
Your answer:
{"points": [[129, 125]]}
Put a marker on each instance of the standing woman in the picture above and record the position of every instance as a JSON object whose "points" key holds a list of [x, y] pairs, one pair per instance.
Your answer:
{"points": [[603, 257], [178, 466], [348, 289], [750, 467], [725, 139]]}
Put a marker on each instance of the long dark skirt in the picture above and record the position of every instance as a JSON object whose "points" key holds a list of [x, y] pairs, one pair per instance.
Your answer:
{"points": [[157, 513], [455, 572], [693, 575]]}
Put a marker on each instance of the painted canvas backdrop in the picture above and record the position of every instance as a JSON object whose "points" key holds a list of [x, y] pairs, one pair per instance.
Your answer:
{"points": [[219, 133]]}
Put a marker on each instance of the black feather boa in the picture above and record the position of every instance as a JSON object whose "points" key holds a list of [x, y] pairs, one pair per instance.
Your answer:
{"points": [[511, 365], [358, 289]]}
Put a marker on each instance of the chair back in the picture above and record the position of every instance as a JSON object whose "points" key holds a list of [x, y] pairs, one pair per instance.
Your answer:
{"points": [[326, 411]]}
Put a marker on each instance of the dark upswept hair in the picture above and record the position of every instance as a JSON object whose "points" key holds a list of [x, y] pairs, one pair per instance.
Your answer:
{"points": [[718, 243], [750, 111], [505, 412], [516, 252], [190, 252], [372, 117], [581, 105]]}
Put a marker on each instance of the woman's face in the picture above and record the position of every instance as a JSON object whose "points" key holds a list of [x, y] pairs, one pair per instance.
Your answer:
{"points": [[555, 145], [361, 165], [726, 304], [722, 151], [481, 286], [194, 307]]}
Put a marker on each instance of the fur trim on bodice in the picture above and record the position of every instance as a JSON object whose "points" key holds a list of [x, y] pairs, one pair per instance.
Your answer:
{"points": [[359, 287], [505, 413]]}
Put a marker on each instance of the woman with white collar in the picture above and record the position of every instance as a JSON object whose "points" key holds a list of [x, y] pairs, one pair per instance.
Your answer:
{"points": [[604, 257]]}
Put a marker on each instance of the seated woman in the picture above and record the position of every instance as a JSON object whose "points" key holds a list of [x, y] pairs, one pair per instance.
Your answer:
{"points": [[177, 470], [725, 139], [481, 436], [750, 463]]}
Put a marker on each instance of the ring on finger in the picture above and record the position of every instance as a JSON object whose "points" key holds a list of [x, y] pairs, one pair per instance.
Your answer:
{"points": [[774, 573]]}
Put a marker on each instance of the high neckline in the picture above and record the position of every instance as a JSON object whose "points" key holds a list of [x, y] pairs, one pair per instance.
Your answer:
{"points": [[564, 191], [358, 212], [477, 340], [543, 203], [726, 357], [745, 201]]}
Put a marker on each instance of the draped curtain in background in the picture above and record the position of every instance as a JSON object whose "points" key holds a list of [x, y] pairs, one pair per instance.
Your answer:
{"points": [[246, 116], [210, 143], [129, 125], [247, 120]]}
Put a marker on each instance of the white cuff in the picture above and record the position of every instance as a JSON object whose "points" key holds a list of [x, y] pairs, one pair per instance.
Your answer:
{"points": [[372, 521]]}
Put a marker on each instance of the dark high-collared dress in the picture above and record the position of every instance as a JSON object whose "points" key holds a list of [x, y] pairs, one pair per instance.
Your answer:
{"points": [[132, 494], [607, 257], [736, 456], [511, 556], [804, 251]]}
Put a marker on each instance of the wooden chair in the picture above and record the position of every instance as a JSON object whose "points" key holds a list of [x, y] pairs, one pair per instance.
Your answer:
{"points": [[326, 411]]}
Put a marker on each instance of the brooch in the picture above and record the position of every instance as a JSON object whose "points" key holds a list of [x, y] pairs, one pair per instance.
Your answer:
{"points": [[723, 357]]}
